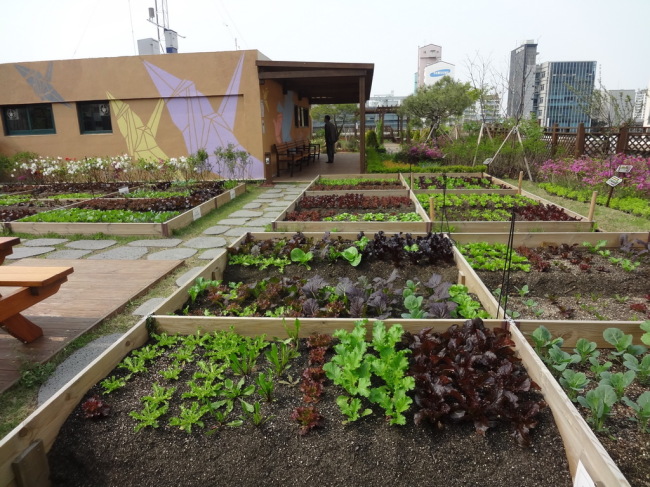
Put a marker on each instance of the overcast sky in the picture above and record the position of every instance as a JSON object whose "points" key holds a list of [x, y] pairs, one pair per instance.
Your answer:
{"points": [[615, 33]]}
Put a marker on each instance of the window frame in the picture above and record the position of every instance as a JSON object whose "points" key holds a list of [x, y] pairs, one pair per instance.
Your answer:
{"points": [[29, 112], [81, 105]]}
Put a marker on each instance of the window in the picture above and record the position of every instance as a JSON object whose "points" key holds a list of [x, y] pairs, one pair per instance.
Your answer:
{"points": [[94, 117], [301, 116], [28, 119]]}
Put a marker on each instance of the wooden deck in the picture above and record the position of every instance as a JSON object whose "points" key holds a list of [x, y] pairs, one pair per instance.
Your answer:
{"points": [[344, 163], [96, 290]]}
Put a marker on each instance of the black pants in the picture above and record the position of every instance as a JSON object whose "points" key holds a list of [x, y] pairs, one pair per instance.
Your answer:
{"points": [[330, 152]]}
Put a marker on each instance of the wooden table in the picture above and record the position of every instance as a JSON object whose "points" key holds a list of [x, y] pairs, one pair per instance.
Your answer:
{"points": [[34, 284], [6, 246]]}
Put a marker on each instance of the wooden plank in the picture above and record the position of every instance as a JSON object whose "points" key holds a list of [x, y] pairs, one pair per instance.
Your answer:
{"points": [[551, 238], [41, 228], [465, 191], [520, 227], [32, 276], [31, 468]]}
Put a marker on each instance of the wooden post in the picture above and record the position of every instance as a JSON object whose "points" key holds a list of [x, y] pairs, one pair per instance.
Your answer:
{"points": [[411, 181], [580, 140], [362, 124], [623, 135], [592, 206], [521, 179], [554, 139], [432, 211]]}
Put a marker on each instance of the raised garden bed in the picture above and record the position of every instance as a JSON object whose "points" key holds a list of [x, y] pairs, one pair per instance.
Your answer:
{"points": [[39, 431], [395, 210], [200, 202], [365, 184], [491, 213], [459, 184]]}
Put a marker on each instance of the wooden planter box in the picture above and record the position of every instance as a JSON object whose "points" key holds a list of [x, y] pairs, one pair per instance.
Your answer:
{"points": [[280, 225], [399, 179], [164, 229], [22, 452], [569, 330], [509, 190], [480, 227]]}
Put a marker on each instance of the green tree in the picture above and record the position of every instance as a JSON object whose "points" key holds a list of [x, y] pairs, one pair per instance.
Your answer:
{"points": [[436, 103], [342, 115]]}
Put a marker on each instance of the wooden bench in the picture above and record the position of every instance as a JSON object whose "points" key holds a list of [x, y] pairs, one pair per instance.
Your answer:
{"points": [[292, 153], [6, 246], [34, 284], [313, 150]]}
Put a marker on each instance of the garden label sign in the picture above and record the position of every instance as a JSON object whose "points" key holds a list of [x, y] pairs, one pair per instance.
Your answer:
{"points": [[612, 182], [196, 213]]}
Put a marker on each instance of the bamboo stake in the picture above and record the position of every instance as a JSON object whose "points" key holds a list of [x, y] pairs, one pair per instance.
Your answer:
{"points": [[521, 178], [592, 206], [432, 211]]}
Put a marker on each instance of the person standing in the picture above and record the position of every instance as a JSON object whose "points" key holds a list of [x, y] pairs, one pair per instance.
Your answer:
{"points": [[330, 138]]}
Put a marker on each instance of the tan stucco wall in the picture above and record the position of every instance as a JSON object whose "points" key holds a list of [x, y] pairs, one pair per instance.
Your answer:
{"points": [[128, 80]]}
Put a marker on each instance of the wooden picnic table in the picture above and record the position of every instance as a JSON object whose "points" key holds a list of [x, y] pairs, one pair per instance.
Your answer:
{"points": [[33, 284], [6, 246]]}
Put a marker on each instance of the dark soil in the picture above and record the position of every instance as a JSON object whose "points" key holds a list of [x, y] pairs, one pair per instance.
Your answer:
{"points": [[368, 452], [598, 290]]}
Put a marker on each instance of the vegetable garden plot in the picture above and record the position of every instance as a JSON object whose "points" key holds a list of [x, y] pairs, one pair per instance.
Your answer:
{"points": [[487, 213], [568, 281], [366, 184], [265, 445], [353, 212], [331, 277], [129, 216]]}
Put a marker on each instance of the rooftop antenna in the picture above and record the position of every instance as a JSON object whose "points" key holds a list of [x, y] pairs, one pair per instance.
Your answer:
{"points": [[171, 42]]}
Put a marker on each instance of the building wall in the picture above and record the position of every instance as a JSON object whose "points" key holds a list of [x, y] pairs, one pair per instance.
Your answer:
{"points": [[161, 105], [561, 91], [521, 81], [427, 55], [436, 71]]}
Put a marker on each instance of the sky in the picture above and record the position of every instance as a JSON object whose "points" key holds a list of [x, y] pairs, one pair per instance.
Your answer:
{"points": [[476, 36]]}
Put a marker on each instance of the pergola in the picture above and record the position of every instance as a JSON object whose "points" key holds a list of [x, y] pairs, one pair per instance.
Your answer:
{"points": [[325, 83]]}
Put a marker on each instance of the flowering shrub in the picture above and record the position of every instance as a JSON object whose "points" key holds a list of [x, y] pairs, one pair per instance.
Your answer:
{"points": [[576, 173], [44, 170], [423, 152]]}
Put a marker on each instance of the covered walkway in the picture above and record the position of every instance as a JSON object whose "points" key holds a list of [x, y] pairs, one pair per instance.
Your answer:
{"points": [[344, 163]]}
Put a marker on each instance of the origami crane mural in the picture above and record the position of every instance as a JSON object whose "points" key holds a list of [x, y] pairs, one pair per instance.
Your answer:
{"points": [[202, 127], [41, 84], [140, 137]]}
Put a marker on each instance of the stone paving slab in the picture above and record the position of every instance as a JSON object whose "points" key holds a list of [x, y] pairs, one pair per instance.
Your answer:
{"points": [[251, 206], [147, 307], [274, 190], [234, 221], [206, 242], [267, 196], [259, 222], [245, 214], [211, 254], [43, 242], [216, 230], [275, 204], [22, 252], [91, 244], [68, 254], [172, 254], [121, 253], [188, 276], [238, 231], [165, 242], [272, 214]]}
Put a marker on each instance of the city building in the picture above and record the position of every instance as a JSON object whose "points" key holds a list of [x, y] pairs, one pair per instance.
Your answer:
{"points": [[562, 91], [162, 106], [427, 55], [646, 108], [640, 107], [436, 71], [521, 80]]}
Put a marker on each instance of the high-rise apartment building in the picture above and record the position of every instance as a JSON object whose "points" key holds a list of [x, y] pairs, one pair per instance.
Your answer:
{"points": [[521, 81], [562, 91]]}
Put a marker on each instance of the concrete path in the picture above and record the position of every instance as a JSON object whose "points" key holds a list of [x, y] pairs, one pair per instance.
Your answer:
{"points": [[252, 218]]}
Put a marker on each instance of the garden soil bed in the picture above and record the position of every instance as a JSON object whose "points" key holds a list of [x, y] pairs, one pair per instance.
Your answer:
{"points": [[565, 292], [369, 452]]}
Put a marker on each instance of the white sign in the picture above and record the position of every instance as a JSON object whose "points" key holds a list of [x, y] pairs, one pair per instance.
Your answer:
{"points": [[614, 181], [124, 190], [196, 213], [232, 194], [624, 168], [487, 161]]}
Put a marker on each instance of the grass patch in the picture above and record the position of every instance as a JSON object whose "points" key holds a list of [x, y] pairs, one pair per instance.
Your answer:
{"points": [[607, 219]]}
